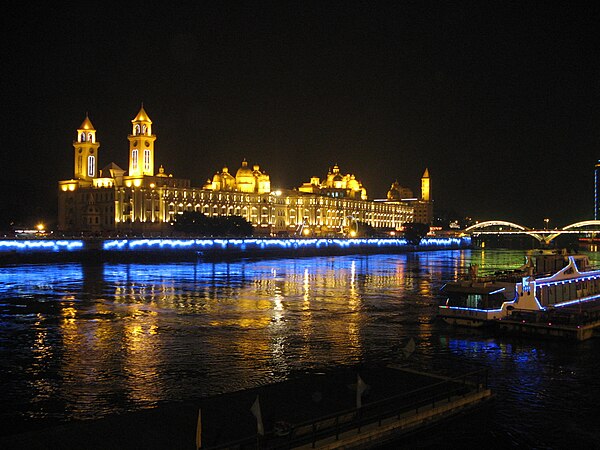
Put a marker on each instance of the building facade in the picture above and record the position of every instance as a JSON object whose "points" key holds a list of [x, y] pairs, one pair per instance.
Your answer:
{"points": [[141, 201]]}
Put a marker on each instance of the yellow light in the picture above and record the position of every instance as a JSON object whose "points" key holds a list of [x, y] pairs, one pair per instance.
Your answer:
{"points": [[40, 227], [71, 187], [306, 231], [352, 233], [137, 182], [152, 185], [128, 183], [64, 188]]}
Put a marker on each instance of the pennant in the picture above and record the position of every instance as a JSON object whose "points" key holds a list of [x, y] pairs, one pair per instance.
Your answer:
{"points": [[256, 411], [409, 348], [361, 387], [199, 430]]}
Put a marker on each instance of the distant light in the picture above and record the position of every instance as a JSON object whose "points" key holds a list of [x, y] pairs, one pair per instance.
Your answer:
{"points": [[352, 233], [40, 227]]}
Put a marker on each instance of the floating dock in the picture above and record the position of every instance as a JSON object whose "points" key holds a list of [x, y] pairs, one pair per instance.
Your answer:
{"points": [[316, 410]]}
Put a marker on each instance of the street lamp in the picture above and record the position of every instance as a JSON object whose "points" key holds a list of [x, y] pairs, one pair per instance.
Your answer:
{"points": [[546, 223]]}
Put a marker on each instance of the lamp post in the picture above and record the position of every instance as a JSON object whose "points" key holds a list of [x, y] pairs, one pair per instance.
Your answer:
{"points": [[546, 223]]}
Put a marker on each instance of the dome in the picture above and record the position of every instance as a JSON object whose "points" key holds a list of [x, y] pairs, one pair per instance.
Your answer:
{"points": [[244, 171]]}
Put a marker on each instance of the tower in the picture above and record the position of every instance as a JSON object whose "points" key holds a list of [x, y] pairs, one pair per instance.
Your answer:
{"points": [[86, 152], [425, 187], [596, 191], [141, 146]]}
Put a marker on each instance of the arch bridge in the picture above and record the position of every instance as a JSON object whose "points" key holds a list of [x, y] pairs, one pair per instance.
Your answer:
{"points": [[545, 236]]}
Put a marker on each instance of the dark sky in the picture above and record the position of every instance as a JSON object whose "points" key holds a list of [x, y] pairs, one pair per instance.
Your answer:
{"points": [[500, 100]]}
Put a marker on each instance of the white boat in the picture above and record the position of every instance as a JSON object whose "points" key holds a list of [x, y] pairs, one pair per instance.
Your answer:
{"points": [[547, 281]]}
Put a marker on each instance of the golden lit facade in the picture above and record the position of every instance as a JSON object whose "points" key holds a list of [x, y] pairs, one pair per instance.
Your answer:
{"points": [[141, 201], [336, 185]]}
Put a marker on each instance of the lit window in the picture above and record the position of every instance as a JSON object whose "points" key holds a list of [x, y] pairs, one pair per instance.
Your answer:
{"points": [[146, 160], [91, 166], [136, 130], [134, 159]]}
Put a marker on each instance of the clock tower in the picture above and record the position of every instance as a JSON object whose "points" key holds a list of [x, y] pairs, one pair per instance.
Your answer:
{"points": [[86, 152], [141, 146]]}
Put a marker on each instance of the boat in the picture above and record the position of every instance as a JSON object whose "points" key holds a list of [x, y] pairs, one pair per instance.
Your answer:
{"points": [[547, 282]]}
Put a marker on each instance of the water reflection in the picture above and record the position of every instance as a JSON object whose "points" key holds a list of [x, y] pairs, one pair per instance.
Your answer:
{"points": [[80, 341]]}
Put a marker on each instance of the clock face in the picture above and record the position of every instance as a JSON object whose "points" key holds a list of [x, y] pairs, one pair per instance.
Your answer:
{"points": [[147, 144]]}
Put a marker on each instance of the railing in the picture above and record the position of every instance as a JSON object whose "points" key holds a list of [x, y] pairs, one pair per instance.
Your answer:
{"points": [[335, 424]]}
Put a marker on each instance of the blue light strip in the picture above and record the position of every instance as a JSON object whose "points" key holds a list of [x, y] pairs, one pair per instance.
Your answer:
{"points": [[250, 244], [39, 245], [579, 300], [462, 308], [579, 278]]}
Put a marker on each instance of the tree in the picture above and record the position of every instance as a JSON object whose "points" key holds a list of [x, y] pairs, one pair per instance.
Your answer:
{"points": [[415, 231], [197, 224]]}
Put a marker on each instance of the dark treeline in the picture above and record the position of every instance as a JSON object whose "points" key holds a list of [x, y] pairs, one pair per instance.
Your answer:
{"points": [[197, 224]]}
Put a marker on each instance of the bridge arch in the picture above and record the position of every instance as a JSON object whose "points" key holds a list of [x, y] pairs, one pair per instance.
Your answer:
{"points": [[492, 223], [585, 223]]}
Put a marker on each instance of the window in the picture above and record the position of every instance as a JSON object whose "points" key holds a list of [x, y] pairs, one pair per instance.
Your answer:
{"points": [[146, 160], [91, 166], [134, 159], [79, 164], [136, 130]]}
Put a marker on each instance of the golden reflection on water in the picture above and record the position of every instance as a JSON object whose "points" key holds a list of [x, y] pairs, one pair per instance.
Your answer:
{"points": [[129, 328]]}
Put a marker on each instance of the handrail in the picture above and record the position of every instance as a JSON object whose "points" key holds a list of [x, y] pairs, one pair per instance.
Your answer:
{"points": [[361, 416]]}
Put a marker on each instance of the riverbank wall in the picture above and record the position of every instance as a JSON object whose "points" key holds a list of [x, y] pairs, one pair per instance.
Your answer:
{"points": [[173, 249]]}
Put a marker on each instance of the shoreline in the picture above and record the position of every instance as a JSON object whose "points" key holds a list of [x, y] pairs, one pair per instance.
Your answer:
{"points": [[17, 251]]}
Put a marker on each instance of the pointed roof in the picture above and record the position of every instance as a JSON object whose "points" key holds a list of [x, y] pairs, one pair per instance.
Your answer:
{"points": [[142, 116], [87, 124], [426, 173]]}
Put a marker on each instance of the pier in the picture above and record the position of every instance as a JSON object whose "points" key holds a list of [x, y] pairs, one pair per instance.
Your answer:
{"points": [[318, 410]]}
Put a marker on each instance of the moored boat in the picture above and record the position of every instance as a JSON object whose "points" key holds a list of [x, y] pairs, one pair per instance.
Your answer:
{"points": [[547, 282]]}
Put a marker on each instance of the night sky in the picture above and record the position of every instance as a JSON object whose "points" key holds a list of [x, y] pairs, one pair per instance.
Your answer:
{"points": [[500, 100]]}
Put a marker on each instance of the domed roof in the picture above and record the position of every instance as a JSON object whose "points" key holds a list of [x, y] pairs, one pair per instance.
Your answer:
{"points": [[244, 170]]}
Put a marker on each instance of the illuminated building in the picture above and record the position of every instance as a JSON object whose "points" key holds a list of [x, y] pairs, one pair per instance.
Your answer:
{"points": [[142, 201], [422, 207], [336, 185]]}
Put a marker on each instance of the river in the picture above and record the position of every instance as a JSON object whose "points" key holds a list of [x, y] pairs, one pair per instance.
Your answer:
{"points": [[82, 341]]}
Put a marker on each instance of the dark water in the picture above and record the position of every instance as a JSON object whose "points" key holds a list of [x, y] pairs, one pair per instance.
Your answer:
{"points": [[84, 341]]}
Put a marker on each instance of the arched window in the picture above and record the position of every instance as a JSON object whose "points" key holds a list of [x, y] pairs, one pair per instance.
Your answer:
{"points": [[146, 160], [134, 159], [136, 130], [90, 137], [82, 137], [91, 166], [143, 129]]}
